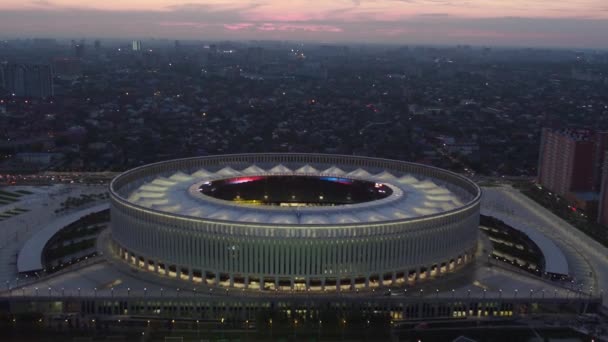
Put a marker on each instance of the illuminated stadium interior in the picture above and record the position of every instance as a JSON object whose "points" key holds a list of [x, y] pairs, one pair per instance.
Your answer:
{"points": [[295, 190]]}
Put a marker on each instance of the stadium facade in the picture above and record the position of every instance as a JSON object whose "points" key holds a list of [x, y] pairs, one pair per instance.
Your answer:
{"points": [[386, 223]]}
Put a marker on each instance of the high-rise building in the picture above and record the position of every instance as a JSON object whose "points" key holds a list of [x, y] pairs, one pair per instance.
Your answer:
{"points": [[15, 78], [603, 205], [601, 145], [566, 160], [136, 45], [573, 163], [2, 78], [39, 81], [78, 48], [33, 80]]}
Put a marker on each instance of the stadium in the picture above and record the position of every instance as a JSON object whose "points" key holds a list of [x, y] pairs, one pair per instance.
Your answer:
{"points": [[294, 222]]}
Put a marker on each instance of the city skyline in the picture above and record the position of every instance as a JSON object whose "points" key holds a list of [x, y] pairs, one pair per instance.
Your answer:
{"points": [[501, 23]]}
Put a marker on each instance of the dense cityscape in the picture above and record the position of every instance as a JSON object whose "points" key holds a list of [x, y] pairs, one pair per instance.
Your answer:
{"points": [[284, 189], [97, 106]]}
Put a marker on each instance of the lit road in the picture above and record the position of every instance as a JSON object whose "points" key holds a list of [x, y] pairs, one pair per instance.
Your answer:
{"points": [[592, 263]]}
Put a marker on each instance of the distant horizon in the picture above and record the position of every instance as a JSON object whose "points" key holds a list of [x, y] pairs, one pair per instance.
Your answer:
{"points": [[170, 40], [522, 23]]}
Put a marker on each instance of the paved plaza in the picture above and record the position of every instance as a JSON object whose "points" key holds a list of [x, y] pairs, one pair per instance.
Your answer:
{"points": [[41, 206], [106, 276]]}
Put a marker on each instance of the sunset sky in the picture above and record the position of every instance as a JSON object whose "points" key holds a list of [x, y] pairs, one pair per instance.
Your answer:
{"points": [[576, 23]]}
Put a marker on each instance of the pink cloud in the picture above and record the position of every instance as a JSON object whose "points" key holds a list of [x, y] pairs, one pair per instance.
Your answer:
{"points": [[285, 14], [183, 24], [282, 27], [266, 27], [291, 17], [298, 27], [237, 26]]}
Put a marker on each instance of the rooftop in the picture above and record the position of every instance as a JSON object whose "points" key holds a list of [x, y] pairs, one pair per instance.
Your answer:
{"points": [[412, 196]]}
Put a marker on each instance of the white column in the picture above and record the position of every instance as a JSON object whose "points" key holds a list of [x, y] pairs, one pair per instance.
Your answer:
{"points": [[385, 254], [241, 254], [334, 257], [349, 256], [300, 257], [263, 254], [290, 258]]}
